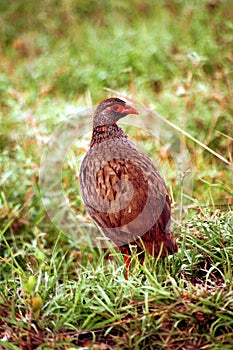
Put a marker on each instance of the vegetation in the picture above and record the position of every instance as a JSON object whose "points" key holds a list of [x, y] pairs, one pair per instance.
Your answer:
{"points": [[57, 59]]}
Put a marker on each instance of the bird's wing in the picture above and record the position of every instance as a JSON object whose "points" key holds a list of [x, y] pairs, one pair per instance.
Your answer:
{"points": [[125, 197], [159, 239]]}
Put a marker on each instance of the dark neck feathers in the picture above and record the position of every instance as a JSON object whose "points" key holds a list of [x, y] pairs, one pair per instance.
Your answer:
{"points": [[105, 132]]}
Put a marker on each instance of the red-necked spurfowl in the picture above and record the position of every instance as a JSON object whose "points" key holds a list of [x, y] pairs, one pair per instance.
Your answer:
{"points": [[122, 189]]}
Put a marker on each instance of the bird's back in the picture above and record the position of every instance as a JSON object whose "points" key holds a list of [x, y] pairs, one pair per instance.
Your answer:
{"points": [[126, 196]]}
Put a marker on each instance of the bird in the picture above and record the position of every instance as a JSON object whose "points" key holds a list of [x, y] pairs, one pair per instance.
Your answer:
{"points": [[123, 191]]}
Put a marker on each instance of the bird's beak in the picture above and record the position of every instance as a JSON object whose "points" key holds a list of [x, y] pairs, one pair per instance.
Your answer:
{"points": [[129, 110]]}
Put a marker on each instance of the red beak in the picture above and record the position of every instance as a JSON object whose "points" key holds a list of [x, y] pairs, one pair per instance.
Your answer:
{"points": [[129, 110]]}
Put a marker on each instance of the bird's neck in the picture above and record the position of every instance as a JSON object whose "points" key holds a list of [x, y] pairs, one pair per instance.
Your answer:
{"points": [[105, 132]]}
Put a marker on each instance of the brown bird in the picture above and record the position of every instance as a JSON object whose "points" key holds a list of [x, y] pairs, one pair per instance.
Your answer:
{"points": [[122, 189]]}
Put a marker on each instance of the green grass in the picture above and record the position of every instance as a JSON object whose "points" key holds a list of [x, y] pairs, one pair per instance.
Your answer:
{"points": [[60, 296], [173, 57]]}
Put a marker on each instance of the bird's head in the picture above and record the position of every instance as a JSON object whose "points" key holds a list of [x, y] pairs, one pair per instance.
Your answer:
{"points": [[110, 111]]}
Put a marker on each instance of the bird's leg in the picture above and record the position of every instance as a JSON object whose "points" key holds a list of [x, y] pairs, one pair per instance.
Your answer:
{"points": [[127, 260]]}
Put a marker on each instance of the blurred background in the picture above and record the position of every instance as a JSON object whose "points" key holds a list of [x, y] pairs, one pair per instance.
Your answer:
{"points": [[175, 57]]}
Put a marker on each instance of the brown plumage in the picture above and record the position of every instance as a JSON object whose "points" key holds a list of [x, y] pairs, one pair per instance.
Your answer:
{"points": [[123, 191]]}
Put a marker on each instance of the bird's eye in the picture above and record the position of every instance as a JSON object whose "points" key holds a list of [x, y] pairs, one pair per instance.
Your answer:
{"points": [[115, 108]]}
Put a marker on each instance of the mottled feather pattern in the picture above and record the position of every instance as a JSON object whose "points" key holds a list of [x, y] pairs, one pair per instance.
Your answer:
{"points": [[123, 191], [115, 170]]}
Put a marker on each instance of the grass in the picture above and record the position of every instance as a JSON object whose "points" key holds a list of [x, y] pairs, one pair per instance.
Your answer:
{"points": [[63, 298], [56, 292]]}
